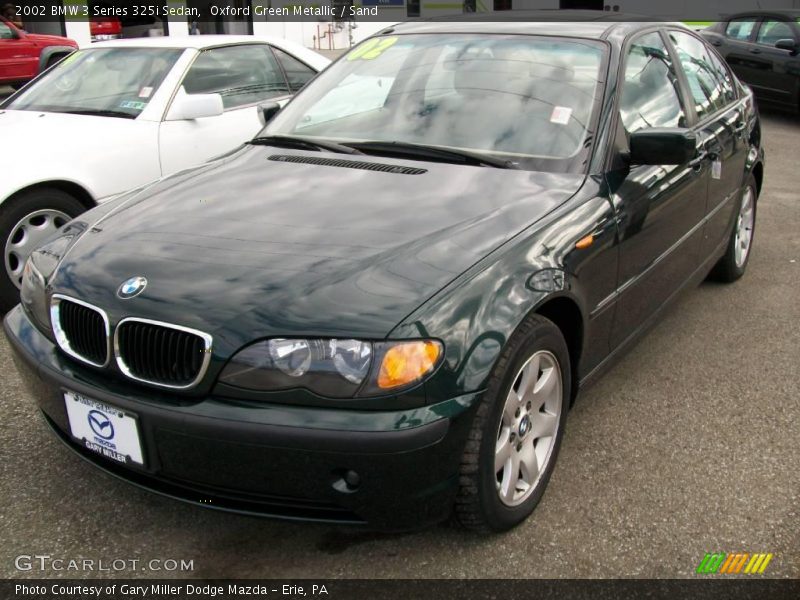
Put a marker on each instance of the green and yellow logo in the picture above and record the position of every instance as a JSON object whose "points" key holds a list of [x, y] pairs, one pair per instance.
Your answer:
{"points": [[733, 563]]}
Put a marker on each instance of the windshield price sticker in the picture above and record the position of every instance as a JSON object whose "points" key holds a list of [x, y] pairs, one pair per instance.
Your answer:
{"points": [[372, 48], [561, 115]]}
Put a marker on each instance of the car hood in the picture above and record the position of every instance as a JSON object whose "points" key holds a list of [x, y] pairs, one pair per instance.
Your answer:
{"points": [[103, 155], [248, 247], [34, 131]]}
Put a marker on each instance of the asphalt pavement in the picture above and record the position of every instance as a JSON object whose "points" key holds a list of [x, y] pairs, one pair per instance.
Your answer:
{"points": [[689, 445]]}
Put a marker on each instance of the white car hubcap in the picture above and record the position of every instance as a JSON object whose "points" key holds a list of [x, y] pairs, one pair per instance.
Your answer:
{"points": [[26, 235]]}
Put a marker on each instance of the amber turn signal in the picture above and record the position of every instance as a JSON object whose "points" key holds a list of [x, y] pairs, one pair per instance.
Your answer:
{"points": [[407, 362]]}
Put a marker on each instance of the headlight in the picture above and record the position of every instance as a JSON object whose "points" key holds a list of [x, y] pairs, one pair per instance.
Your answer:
{"points": [[332, 367]]}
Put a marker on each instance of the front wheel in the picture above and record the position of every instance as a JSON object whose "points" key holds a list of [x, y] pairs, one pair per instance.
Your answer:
{"points": [[734, 262], [25, 222], [517, 431]]}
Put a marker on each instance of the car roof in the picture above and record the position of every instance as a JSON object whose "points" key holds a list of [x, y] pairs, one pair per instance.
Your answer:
{"points": [[767, 12], [204, 42], [198, 42], [568, 23]]}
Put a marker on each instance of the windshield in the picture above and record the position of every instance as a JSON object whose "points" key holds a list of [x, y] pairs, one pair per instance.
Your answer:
{"points": [[107, 81], [527, 99]]}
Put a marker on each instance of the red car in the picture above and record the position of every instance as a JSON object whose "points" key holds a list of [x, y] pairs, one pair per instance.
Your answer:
{"points": [[105, 28], [24, 55]]}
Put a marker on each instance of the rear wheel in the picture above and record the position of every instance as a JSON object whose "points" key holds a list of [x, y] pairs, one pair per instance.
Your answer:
{"points": [[25, 222], [517, 431], [734, 262]]}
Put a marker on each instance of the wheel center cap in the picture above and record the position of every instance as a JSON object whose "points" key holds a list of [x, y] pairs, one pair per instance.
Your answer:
{"points": [[524, 426]]}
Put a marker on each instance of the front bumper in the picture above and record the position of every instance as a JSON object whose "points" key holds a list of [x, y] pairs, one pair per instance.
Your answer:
{"points": [[271, 460]]}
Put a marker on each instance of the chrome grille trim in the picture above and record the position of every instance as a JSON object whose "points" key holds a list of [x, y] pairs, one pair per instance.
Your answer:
{"points": [[61, 337], [207, 345]]}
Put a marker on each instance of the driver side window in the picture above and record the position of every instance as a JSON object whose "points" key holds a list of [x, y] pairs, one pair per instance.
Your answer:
{"points": [[5, 32], [650, 91]]}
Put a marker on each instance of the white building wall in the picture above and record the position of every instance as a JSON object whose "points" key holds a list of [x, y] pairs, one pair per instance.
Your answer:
{"points": [[178, 26], [78, 28]]}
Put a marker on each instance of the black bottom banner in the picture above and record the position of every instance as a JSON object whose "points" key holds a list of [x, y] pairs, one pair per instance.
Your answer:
{"points": [[335, 589]]}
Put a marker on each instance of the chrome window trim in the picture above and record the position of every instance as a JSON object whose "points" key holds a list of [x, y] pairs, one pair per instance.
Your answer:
{"points": [[61, 337], [207, 345]]}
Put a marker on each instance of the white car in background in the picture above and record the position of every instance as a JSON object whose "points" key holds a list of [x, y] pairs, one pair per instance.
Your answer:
{"points": [[119, 114]]}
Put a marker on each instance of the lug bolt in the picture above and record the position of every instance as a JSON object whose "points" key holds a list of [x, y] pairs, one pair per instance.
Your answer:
{"points": [[511, 437], [519, 447], [528, 405], [516, 414]]}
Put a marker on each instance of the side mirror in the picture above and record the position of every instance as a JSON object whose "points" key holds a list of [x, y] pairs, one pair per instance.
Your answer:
{"points": [[662, 146], [789, 45], [267, 111], [187, 107]]}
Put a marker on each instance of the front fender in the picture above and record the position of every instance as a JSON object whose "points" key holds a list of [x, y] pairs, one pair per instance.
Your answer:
{"points": [[477, 314]]}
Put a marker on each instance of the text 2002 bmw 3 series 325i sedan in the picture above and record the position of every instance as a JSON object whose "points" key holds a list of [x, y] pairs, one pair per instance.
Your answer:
{"points": [[381, 309]]}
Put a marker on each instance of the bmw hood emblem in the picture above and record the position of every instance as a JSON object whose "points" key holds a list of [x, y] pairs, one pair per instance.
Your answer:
{"points": [[132, 287]]}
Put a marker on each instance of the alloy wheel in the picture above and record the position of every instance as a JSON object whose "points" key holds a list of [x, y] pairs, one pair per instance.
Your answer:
{"points": [[744, 227], [528, 428]]}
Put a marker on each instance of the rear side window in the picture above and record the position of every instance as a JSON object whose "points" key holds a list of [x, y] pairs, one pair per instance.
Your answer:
{"points": [[242, 75], [297, 73], [710, 89], [740, 29], [650, 95], [771, 31]]}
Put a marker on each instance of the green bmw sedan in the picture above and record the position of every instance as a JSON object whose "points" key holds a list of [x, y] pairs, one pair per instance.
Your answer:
{"points": [[380, 310]]}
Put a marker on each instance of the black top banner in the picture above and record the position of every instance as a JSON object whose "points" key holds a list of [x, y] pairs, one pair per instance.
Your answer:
{"points": [[316, 11]]}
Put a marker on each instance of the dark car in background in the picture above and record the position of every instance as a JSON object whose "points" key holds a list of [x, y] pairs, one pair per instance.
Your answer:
{"points": [[24, 55], [763, 49], [381, 309]]}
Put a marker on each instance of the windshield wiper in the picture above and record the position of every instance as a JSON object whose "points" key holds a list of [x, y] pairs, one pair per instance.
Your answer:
{"points": [[424, 151], [291, 141], [101, 113]]}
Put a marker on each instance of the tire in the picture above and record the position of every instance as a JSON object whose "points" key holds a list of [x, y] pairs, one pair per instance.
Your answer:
{"points": [[479, 505], [29, 217], [733, 263]]}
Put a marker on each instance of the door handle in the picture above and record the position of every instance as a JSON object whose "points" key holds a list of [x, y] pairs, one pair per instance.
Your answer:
{"points": [[755, 51], [716, 42]]}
